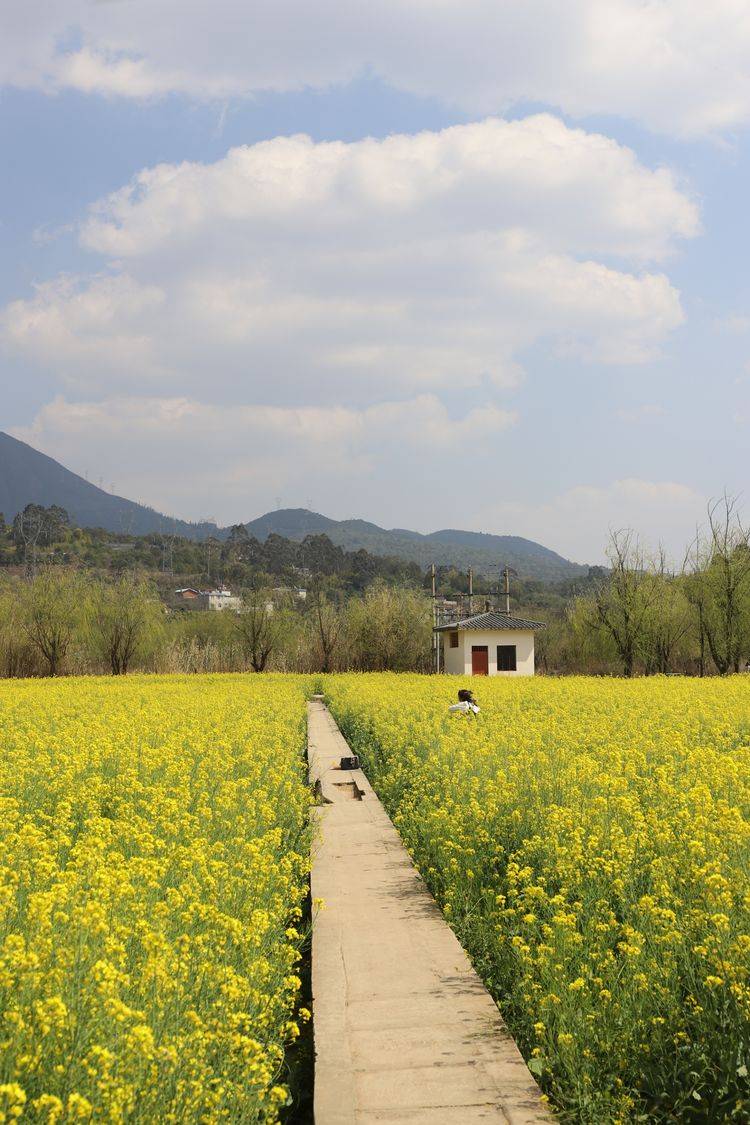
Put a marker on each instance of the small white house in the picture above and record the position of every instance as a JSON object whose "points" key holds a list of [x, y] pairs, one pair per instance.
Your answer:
{"points": [[489, 644], [190, 598]]}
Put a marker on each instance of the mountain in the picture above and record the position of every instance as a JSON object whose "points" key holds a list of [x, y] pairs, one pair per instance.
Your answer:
{"points": [[449, 547], [27, 476]]}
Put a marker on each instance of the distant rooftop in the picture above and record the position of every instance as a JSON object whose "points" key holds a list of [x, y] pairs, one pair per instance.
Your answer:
{"points": [[491, 620]]}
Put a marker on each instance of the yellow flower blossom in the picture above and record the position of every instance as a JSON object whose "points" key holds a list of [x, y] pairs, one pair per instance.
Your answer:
{"points": [[606, 825], [153, 869]]}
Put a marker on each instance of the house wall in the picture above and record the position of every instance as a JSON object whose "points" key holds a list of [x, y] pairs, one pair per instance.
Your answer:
{"points": [[458, 660], [220, 601], [453, 658]]}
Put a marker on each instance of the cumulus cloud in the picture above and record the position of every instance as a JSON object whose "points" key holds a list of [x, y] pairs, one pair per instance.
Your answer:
{"points": [[576, 521], [302, 272], [322, 319], [681, 68], [144, 445]]}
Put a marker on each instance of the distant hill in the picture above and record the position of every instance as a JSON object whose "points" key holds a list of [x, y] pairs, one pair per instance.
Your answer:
{"points": [[447, 548], [27, 476]]}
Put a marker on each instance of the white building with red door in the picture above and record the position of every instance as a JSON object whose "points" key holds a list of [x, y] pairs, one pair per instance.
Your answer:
{"points": [[489, 644]]}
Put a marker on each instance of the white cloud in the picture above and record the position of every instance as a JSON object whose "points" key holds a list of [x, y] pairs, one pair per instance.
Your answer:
{"points": [[299, 272], [576, 522], [681, 67], [144, 444], [574, 190]]}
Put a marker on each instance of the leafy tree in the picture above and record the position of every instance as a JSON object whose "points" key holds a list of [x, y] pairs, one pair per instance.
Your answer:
{"points": [[55, 525], [719, 585], [49, 612], [390, 629], [16, 655], [125, 617], [238, 535], [668, 621], [319, 555], [279, 554]]}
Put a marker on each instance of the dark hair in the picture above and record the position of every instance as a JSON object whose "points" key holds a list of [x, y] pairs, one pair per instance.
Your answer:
{"points": [[465, 696]]}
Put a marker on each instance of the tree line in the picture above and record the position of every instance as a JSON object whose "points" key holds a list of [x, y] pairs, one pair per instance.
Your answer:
{"points": [[639, 615], [645, 616], [40, 536], [62, 620]]}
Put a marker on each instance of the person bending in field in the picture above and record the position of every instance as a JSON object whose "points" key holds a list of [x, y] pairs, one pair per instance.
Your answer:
{"points": [[467, 704]]}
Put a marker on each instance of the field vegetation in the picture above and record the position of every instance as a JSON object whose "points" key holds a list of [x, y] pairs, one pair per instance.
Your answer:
{"points": [[154, 854], [589, 841]]}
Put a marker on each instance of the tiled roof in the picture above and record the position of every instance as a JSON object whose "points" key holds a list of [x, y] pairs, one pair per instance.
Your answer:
{"points": [[492, 620]]}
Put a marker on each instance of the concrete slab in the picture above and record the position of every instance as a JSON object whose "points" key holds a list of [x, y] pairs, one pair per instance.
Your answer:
{"points": [[405, 1031]]}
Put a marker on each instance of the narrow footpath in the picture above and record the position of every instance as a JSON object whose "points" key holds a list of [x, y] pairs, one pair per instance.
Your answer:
{"points": [[405, 1031]]}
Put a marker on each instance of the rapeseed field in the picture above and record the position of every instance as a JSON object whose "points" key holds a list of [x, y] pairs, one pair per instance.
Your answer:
{"points": [[153, 860], [589, 841]]}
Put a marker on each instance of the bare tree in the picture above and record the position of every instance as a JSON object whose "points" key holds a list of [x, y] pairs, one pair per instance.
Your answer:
{"points": [[719, 585], [327, 629], [696, 591], [258, 629], [622, 601]]}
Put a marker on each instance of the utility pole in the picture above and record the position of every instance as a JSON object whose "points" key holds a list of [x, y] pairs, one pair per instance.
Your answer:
{"points": [[506, 589], [471, 590], [435, 635]]}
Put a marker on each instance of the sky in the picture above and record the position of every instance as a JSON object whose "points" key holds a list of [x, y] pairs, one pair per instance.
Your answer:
{"points": [[477, 264]]}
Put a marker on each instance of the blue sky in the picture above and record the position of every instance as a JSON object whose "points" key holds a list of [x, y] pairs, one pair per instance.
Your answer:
{"points": [[501, 285]]}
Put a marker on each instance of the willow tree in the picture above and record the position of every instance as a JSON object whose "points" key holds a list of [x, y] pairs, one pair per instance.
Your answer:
{"points": [[718, 585], [623, 600], [49, 613], [125, 619]]}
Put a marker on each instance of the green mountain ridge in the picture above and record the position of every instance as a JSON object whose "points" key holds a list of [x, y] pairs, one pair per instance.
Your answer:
{"points": [[28, 476], [449, 547]]}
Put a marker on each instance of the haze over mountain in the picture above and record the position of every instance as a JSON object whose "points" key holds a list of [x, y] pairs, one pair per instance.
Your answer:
{"points": [[28, 476]]}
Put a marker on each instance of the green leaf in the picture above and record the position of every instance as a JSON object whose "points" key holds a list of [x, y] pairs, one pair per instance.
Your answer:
{"points": [[536, 1066]]}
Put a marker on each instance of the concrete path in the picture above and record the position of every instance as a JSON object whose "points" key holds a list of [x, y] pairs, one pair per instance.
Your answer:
{"points": [[404, 1029]]}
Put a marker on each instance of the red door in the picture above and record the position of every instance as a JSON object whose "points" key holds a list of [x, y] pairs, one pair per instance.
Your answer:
{"points": [[480, 660]]}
